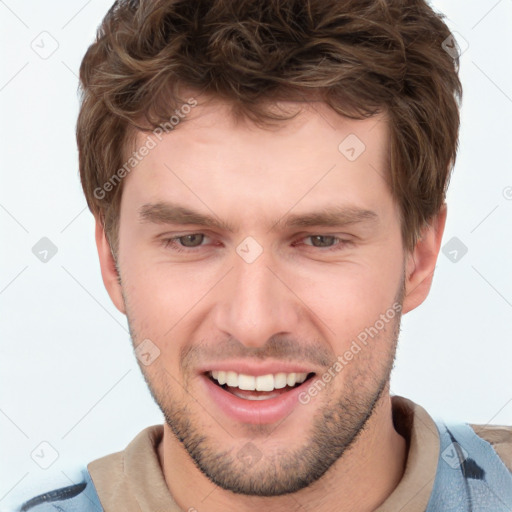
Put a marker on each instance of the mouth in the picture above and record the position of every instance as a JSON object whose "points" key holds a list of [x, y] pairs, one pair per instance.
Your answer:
{"points": [[254, 392], [261, 387]]}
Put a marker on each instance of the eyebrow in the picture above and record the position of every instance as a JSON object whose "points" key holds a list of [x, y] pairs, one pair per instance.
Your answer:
{"points": [[334, 216]]}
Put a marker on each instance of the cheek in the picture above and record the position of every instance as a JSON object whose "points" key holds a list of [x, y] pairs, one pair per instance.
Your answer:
{"points": [[361, 314], [351, 297], [162, 297]]}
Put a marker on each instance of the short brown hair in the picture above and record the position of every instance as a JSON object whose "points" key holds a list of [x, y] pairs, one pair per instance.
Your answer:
{"points": [[361, 57]]}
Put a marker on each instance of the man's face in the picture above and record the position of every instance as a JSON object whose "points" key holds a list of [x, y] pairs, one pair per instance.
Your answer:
{"points": [[303, 256]]}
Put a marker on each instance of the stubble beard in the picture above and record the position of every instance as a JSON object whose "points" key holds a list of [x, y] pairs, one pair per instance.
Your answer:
{"points": [[335, 428]]}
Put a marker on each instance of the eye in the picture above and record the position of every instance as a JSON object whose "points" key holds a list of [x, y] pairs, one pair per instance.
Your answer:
{"points": [[326, 243], [322, 240], [193, 240], [183, 242]]}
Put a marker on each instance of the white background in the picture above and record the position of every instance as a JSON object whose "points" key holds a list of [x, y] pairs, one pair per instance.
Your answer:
{"points": [[68, 375]]}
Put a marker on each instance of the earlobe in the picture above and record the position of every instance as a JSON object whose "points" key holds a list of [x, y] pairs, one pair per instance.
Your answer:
{"points": [[108, 267], [421, 262]]}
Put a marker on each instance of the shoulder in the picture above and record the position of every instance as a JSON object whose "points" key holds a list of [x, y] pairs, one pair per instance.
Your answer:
{"points": [[80, 497], [500, 438]]}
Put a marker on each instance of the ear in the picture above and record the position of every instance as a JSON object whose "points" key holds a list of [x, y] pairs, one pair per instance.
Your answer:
{"points": [[421, 262], [108, 267]]}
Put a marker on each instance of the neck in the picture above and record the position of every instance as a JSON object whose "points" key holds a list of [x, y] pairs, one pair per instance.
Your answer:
{"points": [[361, 479]]}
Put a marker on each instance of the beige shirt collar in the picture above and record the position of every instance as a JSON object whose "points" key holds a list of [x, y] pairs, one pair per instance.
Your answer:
{"points": [[132, 480]]}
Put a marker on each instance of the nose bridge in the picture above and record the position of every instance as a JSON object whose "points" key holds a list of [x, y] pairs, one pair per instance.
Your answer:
{"points": [[255, 304]]}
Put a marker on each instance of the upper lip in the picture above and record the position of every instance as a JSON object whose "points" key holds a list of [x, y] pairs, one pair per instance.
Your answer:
{"points": [[257, 368]]}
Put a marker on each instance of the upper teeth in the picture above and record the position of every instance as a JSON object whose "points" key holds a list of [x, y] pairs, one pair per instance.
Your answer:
{"points": [[261, 383]]}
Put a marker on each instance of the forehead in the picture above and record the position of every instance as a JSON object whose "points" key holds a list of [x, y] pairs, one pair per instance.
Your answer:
{"points": [[209, 157], [314, 123]]}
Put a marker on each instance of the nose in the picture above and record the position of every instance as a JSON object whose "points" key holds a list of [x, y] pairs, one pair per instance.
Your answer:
{"points": [[255, 304]]}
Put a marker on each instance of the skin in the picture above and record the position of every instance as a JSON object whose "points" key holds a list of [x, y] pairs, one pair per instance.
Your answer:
{"points": [[296, 302]]}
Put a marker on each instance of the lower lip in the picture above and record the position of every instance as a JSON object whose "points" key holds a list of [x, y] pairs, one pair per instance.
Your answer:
{"points": [[267, 411]]}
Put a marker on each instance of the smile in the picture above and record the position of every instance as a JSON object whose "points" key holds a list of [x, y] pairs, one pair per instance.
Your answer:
{"points": [[267, 382], [256, 398]]}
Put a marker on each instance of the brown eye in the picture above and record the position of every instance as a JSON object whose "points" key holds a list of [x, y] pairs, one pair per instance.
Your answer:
{"points": [[194, 240], [322, 240]]}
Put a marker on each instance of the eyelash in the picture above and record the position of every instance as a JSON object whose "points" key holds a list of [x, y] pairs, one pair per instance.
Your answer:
{"points": [[174, 243]]}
